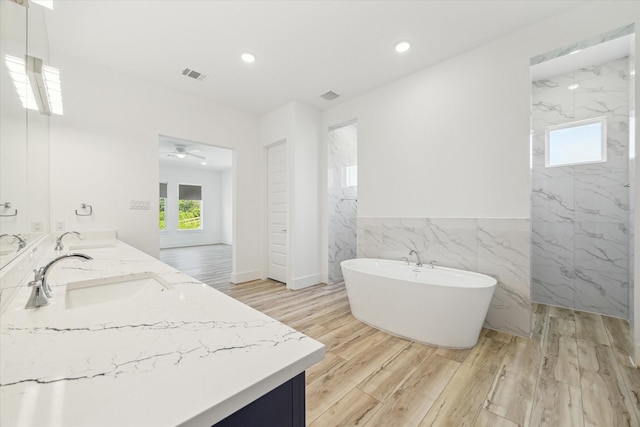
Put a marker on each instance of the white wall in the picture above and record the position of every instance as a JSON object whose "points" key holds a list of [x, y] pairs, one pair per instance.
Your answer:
{"points": [[226, 197], [212, 206], [104, 152], [299, 126], [453, 139]]}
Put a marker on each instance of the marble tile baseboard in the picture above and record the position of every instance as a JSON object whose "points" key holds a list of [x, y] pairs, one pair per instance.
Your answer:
{"points": [[497, 247]]}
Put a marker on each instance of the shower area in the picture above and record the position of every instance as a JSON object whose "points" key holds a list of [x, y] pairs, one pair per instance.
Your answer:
{"points": [[342, 175], [582, 170]]}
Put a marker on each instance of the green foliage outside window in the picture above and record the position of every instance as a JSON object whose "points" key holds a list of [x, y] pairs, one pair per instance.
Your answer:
{"points": [[189, 214], [163, 226]]}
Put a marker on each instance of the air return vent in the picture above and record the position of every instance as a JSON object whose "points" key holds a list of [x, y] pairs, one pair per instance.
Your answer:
{"points": [[330, 96], [193, 74]]}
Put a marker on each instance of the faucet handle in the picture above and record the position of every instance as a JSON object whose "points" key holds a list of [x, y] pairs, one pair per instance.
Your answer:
{"points": [[38, 297], [39, 278], [431, 264], [405, 259]]}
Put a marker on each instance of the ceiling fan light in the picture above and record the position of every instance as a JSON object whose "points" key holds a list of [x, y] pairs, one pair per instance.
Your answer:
{"points": [[180, 155]]}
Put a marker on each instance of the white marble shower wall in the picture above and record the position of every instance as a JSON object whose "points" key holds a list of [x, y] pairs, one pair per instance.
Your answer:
{"points": [[496, 247], [580, 214], [343, 193]]}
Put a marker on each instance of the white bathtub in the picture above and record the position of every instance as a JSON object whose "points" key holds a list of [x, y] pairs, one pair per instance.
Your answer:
{"points": [[439, 306]]}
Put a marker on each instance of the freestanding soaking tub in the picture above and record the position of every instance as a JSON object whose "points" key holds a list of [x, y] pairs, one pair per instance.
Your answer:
{"points": [[439, 306]]}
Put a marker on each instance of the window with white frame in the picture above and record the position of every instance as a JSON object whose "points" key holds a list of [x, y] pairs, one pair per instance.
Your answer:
{"points": [[163, 204], [189, 207], [576, 143]]}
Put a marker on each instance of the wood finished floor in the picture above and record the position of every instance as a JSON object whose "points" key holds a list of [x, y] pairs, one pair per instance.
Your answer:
{"points": [[575, 371], [211, 264]]}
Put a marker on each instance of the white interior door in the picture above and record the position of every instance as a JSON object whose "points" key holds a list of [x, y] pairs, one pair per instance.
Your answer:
{"points": [[277, 196]]}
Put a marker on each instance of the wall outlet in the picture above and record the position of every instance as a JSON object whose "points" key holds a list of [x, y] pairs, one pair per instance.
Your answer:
{"points": [[37, 227], [60, 226], [141, 205]]}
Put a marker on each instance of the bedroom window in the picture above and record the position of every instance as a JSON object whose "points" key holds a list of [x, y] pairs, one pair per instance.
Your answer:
{"points": [[189, 207], [163, 202]]}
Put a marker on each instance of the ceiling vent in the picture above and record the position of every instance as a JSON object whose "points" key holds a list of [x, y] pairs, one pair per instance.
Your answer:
{"points": [[330, 96], [193, 74]]}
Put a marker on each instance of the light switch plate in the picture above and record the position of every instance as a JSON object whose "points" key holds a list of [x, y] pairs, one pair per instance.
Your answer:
{"points": [[141, 205]]}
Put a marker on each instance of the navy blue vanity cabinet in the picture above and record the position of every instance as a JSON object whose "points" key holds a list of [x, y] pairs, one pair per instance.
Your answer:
{"points": [[283, 406]]}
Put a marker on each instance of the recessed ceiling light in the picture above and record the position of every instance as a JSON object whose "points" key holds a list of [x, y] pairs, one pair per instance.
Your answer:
{"points": [[203, 163], [573, 86], [248, 57], [403, 47]]}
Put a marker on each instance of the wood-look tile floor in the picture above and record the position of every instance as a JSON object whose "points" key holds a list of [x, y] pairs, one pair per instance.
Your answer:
{"points": [[211, 264], [575, 371]]}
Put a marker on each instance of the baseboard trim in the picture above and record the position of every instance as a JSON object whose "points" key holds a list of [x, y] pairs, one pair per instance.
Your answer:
{"points": [[245, 276], [304, 282]]}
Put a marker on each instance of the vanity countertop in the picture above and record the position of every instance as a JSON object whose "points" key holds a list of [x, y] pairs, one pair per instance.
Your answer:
{"points": [[188, 356]]}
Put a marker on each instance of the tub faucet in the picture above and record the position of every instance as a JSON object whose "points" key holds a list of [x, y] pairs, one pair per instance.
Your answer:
{"points": [[419, 261], [41, 289], [59, 245], [21, 242]]}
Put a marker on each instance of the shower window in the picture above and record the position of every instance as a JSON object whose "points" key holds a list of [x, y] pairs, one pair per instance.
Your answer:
{"points": [[576, 143], [351, 176]]}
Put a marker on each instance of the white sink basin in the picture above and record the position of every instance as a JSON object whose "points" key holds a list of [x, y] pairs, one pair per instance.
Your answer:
{"points": [[115, 288]]}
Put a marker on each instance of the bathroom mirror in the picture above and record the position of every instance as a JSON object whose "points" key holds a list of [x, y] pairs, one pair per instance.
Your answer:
{"points": [[24, 135]]}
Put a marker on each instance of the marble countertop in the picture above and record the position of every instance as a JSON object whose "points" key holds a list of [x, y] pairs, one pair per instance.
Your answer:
{"points": [[187, 356]]}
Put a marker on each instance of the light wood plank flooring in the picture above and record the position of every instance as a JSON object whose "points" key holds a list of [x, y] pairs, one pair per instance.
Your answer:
{"points": [[573, 372], [210, 264]]}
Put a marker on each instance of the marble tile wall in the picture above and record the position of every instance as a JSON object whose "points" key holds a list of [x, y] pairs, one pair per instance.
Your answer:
{"points": [[497, 247], [343, 194], [580, 214], [632, 180]]}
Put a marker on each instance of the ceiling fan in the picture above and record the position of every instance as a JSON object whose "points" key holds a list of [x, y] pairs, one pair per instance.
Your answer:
{"points": [[181, 152]]}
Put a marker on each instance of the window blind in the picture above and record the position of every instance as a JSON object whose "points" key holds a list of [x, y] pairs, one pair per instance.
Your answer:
{"points": [[189, 192], [163, 189]]}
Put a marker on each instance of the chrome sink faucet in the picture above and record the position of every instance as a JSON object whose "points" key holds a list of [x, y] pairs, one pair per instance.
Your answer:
{"points": [[42, 292], [419, 261], [16, 237], [59, 245]]}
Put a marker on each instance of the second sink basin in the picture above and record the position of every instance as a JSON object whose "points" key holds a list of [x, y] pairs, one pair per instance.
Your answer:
{"points": [[115, 288]]}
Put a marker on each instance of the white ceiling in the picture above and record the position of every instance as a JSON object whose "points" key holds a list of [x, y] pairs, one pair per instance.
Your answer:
{"points": [[303, 48], [217, 159]]}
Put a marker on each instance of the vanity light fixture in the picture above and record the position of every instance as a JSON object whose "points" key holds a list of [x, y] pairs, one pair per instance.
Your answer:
{"points": [[248, 57], [35, 74], [403, 46], [38, 85]]}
